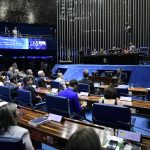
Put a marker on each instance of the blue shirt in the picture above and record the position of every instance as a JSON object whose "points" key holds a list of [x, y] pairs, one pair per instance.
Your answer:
{"points": [[73, 99]]}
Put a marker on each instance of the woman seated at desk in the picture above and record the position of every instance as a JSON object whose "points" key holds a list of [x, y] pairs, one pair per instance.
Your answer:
{"points": [[110, 94], [8, 125], [84, 139]]}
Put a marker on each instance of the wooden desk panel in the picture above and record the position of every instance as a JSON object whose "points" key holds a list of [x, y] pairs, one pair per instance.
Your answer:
{"points": [[57, 134], [138, 89], [134, 103], [52, 133]]}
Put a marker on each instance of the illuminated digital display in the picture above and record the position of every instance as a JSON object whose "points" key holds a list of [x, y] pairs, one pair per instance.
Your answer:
{"points": [[37, 44], [14, 43]]}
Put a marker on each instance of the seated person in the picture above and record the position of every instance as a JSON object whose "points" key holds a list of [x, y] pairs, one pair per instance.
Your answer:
{"points": [[13, 86], [27, 81], [60, 80], [72, 96], [29, 72], [9, 127], [121, 77], [87, 81], [131, 48], [110, 94], [84, 139], [1, 81], [41, 79]]}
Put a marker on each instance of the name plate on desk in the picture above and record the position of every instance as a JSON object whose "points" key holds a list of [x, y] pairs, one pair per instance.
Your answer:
{"points": [[133, 136], [54, 117], [84, 94], [124, 98]]}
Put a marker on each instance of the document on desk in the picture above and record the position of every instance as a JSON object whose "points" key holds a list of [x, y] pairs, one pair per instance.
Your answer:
{"points": [[123, 86], [84, 93], [38, 121], [96, 85], [125, 98], [54, 90]]}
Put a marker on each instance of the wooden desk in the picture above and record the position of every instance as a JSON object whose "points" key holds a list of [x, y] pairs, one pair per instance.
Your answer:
{"points": [[52, 133], [42, 91], [57, 134], [106, 80], [138, 89], [134, 104]]}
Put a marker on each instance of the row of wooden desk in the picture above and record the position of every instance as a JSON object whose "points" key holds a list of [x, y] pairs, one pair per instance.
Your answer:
{"points": [[57, 134], [93, 98]]}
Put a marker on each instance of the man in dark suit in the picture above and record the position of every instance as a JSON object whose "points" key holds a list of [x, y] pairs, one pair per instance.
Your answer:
{"points": [[87, 81], [27, 81]]}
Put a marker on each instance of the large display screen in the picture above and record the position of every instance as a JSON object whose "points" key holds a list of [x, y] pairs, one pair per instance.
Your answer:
{"points": [[29, 11], [14, 43], [37, 44], [22, 43]]}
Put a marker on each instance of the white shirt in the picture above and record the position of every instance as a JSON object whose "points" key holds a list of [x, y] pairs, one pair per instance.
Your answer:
{"points": [[62, 82]]}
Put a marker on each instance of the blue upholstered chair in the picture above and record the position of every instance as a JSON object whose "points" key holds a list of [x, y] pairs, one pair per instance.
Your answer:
{"points": [[117, 117], [148, 96], [25, 99], [83, 87], [122, 92], [5, 93], [55, 85], [58, 105], [7, 143]]}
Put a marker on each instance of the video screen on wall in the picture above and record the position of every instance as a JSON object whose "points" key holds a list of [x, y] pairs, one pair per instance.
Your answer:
{"points": [[29, 11], [22, 43], [37, 44], [14, 43]]}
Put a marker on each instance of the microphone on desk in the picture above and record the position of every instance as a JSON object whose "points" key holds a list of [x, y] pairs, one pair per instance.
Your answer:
{"points": [[116, 103]]}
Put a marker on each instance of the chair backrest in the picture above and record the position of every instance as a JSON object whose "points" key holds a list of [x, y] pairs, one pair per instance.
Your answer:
{"points": [[148, 96], [55, 85], [122, 92], [117, 117], [7, 143], [58, 105], [25, 98], [5, 93], [83, 87]]}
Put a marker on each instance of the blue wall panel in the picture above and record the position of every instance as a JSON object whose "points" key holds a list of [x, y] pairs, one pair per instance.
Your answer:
{"points": [[140, 75]]}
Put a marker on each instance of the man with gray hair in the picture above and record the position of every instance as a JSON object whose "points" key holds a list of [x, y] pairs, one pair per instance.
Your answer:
{"points": [[61, 80], [40, 80]]}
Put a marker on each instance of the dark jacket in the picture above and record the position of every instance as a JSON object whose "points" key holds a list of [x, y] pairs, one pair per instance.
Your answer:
{"points": [[89, 82], [35, 99]]}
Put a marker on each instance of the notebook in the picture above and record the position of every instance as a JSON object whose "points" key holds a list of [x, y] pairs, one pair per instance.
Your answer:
{"points": [[38, 121]]}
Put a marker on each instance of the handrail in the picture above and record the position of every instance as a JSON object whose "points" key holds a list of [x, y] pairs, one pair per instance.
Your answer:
{"points": [[25, 35]]}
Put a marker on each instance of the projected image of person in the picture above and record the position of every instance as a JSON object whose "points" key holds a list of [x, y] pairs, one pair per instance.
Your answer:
{"points": [[15, 32]]}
